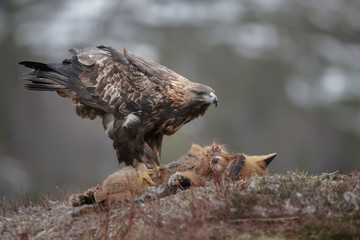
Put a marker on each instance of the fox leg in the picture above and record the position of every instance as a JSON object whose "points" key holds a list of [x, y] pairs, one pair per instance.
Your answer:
{"points": [[186, 179], [179, 180], [87, 197], [235, 167]]}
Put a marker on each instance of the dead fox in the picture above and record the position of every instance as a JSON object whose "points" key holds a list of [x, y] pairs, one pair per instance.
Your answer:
{"points": [[199, 165]]}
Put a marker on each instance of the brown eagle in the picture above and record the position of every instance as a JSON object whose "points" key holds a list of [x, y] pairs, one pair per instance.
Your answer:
{"points": [[138, 100]]}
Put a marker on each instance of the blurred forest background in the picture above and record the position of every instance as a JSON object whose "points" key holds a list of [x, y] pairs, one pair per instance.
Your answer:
{"points": [[286, 74]]}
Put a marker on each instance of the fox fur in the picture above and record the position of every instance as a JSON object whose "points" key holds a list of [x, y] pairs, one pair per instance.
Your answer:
{"points": [[199, 165]]}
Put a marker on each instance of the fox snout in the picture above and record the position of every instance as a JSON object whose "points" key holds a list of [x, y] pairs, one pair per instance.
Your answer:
{"points": [[214, 160]]}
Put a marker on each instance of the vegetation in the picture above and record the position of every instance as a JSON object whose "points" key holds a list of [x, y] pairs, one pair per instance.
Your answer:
{"points": [[290, 206]]}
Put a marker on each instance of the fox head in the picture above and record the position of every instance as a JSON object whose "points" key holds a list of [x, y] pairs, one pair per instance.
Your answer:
{"points": [[215, 159], [256, 165], [241, 166]]}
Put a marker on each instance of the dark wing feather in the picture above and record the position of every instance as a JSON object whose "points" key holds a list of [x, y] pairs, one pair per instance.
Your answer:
{"points": [[157, 73], [109, 80]]}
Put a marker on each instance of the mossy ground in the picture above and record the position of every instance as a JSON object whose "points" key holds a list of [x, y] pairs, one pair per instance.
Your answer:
{"points": [[290, 206]]}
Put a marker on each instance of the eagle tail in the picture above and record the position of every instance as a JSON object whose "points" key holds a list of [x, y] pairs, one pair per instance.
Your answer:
{"points": [[46, 77]]}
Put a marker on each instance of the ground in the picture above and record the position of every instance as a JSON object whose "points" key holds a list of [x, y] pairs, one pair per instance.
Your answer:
{"points": [[289, 206]]}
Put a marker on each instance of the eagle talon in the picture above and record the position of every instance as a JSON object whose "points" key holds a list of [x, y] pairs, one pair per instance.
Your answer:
{"points": [[145, 175], [152, 170]]}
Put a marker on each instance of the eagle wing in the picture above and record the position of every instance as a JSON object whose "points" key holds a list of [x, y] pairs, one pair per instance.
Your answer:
{"points": [[130, 89], [107, 79]]}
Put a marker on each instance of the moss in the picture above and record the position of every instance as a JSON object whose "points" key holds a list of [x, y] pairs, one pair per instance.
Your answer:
{"points": [[334, 229], [242, 204]]}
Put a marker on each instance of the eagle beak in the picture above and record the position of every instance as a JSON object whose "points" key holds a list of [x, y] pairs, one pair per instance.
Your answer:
{"points": [[213, 99]]}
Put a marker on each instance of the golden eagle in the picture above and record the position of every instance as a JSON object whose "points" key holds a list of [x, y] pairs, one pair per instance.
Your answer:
{"points": [[138, 100]]}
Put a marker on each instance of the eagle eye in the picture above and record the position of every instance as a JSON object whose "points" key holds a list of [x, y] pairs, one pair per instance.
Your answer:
{"points": [[199, 93]]}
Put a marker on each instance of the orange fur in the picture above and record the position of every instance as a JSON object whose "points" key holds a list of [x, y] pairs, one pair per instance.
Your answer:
{"points": [[120, 185], [200, 164], [195, 179]]}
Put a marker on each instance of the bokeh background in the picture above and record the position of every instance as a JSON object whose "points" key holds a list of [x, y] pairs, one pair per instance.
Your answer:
{"points": [[286, 74]]}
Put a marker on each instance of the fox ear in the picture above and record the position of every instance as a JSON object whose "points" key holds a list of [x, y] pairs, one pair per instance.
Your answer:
{"points": [[218, 148], [195, 150], [268, 158], [263, 159]]}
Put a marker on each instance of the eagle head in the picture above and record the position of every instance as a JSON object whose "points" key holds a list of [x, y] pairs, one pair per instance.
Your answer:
{"points": [[193, 99], [203, 95]]}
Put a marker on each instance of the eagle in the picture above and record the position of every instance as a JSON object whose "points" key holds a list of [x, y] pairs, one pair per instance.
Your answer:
{"points": [[138, 100]]}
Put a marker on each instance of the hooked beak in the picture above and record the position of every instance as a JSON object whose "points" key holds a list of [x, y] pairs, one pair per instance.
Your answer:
{"points": [[213, 99]]}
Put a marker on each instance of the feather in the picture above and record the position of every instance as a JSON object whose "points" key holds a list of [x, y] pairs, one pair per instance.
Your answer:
{"points": [[34, 65]]}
